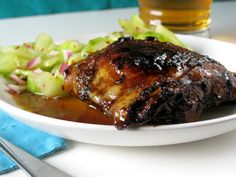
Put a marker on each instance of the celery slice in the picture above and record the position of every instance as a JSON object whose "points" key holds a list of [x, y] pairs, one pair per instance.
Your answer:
{"points": [[20, 51], [45, 84], [169, 36], [22, 73], [72, 45], [49, 62], [96, 44], [77, 57], [7, 64], [134, 26], [44, 42], [137, 28]]}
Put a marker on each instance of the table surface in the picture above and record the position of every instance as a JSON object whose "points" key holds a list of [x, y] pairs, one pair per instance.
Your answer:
{"points": [[213, 157]]}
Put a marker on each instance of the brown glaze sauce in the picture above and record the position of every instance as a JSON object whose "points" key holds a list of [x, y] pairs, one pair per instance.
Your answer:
{"points": [[68, 108]]}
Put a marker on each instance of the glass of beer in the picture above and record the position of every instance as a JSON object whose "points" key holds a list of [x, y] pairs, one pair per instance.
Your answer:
{"points": [[181, 16]]}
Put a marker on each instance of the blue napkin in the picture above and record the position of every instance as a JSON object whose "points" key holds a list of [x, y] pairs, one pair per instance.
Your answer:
{"points": [[31, 140]]}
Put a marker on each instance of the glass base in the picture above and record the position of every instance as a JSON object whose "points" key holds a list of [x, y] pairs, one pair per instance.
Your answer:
{"points": [[202, 33]]}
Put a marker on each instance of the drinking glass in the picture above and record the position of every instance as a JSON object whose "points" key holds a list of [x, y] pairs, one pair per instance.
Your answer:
{"points": [[181, 16]]}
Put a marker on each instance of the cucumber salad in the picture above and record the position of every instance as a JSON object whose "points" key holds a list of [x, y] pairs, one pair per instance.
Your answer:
{"points": [[39, 66]]}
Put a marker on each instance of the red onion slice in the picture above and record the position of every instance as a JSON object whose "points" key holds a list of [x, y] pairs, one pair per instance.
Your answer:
{"points": [[53, 53], [17, 79], [67, 54], [63, 67], [16, 88], [34, 62], [38, 71]]}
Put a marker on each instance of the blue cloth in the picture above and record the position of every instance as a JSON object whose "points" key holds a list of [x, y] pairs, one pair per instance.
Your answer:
{"points": [[31, 140], [16, 8]]}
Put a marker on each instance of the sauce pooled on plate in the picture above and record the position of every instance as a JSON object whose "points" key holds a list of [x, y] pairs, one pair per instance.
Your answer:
{"points": [[68, 108]]}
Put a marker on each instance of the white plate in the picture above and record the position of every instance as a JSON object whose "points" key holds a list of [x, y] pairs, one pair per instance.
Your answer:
{"points": [[222, 119]]}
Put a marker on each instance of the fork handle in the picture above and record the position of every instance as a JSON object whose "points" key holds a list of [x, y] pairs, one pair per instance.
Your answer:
{"points": [[32, 166]]}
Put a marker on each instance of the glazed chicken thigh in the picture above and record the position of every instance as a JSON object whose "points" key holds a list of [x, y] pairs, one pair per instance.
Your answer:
{"points": [[138, 82]]}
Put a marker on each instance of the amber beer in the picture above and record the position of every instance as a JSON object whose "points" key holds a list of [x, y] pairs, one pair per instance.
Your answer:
{"points": [[177, 15]]}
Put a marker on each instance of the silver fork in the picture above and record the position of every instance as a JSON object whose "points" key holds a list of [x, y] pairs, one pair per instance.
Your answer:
{"points": [[32, 166]]}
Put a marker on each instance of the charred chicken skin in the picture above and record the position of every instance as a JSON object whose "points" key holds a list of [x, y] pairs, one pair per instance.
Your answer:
{"points": [[138, 82]]}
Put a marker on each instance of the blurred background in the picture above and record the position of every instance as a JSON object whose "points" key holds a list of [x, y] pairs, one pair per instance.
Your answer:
{"points": [[19, 8]]}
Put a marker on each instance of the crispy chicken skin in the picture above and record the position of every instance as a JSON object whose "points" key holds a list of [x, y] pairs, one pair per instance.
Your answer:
{"points": [[136, 82]]}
